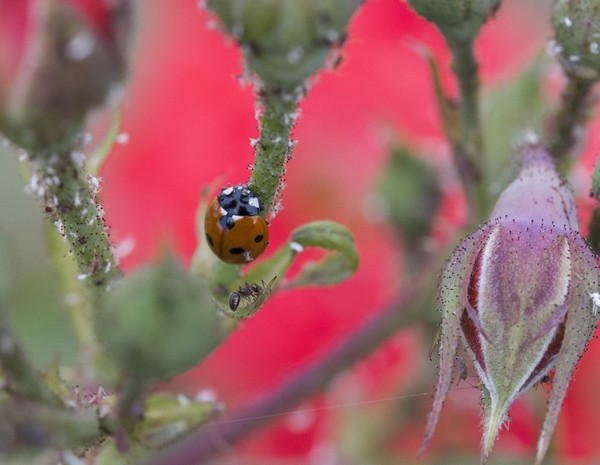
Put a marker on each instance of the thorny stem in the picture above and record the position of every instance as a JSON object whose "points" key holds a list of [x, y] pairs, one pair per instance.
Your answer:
{"points": [[463, 128], [129, 410], [274, 146], [594, 231], [594, 225], [69, 199], [568, 122], [465, 68], [79, 308], [208, 441], [468, 150]]}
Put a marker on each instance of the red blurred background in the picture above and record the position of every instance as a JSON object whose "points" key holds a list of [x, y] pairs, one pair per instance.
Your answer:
{"points": [[189, 121]]}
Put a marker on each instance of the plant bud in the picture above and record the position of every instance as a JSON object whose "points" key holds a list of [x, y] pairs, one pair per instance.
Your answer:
{"points": [[285, 41], [59, 59], [577, 35], [410, 192], [158, 322], [519, 294], [458, 20]]}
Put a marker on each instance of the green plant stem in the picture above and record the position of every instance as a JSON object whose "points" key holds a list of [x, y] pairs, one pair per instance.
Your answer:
{"points": [[22, 381], [572, 114], [462, 127], [78, 306], [19, 377], [274, 146], [594, 231], [414, 304], [69, 199], [27, 426], [465, 68], [468, 149], [130, 408]]}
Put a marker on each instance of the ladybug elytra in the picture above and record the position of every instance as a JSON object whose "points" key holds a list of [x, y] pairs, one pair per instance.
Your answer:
{"points": [[234, 230]]}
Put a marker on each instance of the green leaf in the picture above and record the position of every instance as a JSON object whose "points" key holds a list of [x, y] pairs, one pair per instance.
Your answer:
{"points": [[55, 383], [158, 321], [340, 264], [109, 455], [250, 304], [168, 417]]}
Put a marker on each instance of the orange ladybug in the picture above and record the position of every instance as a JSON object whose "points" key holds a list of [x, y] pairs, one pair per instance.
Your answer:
{"points": [[234, 230]]}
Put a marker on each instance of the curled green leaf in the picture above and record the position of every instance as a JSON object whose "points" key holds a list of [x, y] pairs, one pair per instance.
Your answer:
{"points": [[250, 297], [338, 265], [263, 278], [158, 303], [168, 417]]}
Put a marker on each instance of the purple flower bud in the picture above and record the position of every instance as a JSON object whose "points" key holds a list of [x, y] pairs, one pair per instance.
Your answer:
{"points": [[518, 293]]}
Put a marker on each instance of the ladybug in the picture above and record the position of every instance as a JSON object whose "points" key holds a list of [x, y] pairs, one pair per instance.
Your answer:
{"points": [[234, 230]]}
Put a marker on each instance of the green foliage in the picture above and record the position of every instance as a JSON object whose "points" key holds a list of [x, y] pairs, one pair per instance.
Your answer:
{"points": [[458, 20], [168, 417], [161, 320], [576, 27], [158, 322], [411, 192], [285, 41], [338, 264]]}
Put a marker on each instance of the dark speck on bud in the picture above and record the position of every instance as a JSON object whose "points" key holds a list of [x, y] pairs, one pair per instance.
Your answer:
{"points": [[519, 294]]}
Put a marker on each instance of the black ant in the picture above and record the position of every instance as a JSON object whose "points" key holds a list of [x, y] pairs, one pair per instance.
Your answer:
{"points": [[248, 291]]}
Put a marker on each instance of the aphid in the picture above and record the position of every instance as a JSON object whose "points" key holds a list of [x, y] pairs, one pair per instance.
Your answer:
{"points": [[234, 300]]}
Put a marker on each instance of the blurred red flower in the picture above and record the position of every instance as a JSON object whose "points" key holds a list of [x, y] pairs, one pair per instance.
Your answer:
{"points": [[189, 122]]}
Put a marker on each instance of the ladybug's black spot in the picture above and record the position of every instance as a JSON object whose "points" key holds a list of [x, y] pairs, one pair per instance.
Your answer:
{"points": [[236, 251], [210, 240], [229, 204], [226, 222], [239, 201], [259, 238]]}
